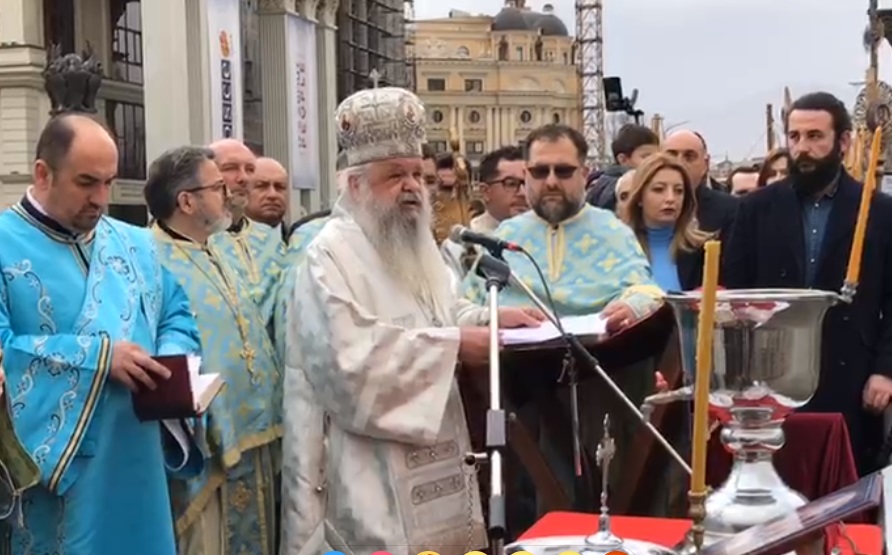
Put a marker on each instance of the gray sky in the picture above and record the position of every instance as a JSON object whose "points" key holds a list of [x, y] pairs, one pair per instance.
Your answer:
{"points": [[717, 63]]}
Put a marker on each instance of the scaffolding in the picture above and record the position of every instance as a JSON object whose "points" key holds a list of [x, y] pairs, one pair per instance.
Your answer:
{"points": [[371, 36], [590, 61]]}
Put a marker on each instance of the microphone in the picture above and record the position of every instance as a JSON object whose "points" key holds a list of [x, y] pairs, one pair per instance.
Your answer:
{"points": [[461, 234]]}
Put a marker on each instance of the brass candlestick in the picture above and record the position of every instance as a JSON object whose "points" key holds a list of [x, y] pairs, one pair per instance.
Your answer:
{"points": [[697, 512]]}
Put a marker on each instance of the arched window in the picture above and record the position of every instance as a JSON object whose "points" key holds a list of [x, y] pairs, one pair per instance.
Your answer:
{"points": [[463, 52]]}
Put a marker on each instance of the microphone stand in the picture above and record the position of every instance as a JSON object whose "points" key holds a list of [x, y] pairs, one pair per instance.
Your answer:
{"points": [[583, 353], [497, 274]]}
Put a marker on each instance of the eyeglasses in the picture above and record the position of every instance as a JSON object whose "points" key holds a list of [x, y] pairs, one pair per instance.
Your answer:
{"points": [[215, 187], [561, 171], [510, 184]]}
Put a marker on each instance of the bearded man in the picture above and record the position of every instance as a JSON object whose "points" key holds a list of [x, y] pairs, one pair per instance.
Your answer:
{"points": [[230, 507], [797, 233], [592, 262], [374, 450]]}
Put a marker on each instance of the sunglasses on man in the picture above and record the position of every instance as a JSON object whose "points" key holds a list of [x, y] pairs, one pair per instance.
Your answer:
{"points": [[561, 171]]}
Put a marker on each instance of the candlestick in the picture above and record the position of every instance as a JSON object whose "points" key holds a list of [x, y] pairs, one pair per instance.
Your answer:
{"points": [[870, 182], [702, 380]]}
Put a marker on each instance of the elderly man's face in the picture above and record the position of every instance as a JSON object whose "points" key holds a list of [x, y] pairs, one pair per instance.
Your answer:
{"points": [[689, 150], [397, 187]]}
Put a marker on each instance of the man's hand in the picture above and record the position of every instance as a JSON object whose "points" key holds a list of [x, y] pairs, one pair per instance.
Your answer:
{"points": [[520, 317], [877, 393], [474, 347], [131, 365], [619, 316]]}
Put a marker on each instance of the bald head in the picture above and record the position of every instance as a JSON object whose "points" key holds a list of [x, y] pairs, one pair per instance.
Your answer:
{"points": [[237, 164], [77, 163], [268, 197], [690, 149]]}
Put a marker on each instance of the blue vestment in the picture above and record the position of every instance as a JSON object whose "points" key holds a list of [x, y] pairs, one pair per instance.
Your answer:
{"points": [[588, 260], [297, 246], [64, 302], [245, 421], [257, 252]]}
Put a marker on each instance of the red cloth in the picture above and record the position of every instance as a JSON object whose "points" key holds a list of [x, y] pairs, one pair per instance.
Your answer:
{"points": [[816, 460], [669, 532]]}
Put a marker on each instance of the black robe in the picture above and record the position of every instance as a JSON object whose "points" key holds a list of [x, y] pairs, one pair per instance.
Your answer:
{"points": [[767, 250]]}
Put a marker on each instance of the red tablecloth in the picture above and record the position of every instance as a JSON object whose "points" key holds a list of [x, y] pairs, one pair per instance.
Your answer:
{"points": [[668, 532], [816, 460]]}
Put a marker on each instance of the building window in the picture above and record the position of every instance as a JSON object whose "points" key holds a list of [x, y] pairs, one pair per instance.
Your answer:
{"points": [[437, 116], [438, 146], [556, 117], [134, 214], [520, 53], [128, 123], [58, 24], [474, 147], [463, 52], [526, 116], [126, 25], [474, 116], [436, 84], [473, 85]]}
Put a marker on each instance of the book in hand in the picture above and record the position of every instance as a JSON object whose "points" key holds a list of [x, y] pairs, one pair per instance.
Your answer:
{"points": [[185, 394]]}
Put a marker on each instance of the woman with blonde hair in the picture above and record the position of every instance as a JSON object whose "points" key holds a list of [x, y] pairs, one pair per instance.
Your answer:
{"points": [[661, 209]]}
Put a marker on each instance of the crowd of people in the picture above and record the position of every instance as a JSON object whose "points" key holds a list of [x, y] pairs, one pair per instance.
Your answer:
{"points": [[341, 337]]}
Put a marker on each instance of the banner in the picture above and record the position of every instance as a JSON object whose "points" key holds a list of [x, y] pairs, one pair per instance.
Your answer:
{"points": [[303, 110], [225, 68]]}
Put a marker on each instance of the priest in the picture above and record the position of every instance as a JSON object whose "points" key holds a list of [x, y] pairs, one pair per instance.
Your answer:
{"points": [[380, 326], [230, 508]]}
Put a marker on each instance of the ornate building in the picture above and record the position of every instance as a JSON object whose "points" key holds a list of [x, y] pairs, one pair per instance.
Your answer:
{"points": [[493, 79], [157, 92]]}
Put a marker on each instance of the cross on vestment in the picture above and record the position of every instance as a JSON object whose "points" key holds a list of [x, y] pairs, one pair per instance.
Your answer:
{"points": [[375, 77], [248, 352]]}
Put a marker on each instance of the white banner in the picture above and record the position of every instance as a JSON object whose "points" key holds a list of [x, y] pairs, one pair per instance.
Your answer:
{"points": [[303, 110], [225, 50]]}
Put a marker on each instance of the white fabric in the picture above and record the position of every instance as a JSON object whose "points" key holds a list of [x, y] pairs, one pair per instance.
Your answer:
{"points": [[374, 425]]}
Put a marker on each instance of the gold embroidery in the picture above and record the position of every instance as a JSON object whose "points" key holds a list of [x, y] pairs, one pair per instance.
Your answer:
{"points": [[240, 497]]}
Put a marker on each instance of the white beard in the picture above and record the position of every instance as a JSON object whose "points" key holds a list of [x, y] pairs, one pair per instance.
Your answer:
{"points": [[405, 245]]}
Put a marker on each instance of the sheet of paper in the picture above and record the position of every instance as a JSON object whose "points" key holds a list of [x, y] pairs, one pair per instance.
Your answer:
{"points": [[590, 324]]}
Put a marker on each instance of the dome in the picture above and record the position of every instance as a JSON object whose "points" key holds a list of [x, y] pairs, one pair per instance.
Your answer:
{"points": [[510, 19], [551, 25]]}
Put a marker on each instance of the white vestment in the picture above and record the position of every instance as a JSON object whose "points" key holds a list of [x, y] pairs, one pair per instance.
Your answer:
{"points": [[375, 432]]}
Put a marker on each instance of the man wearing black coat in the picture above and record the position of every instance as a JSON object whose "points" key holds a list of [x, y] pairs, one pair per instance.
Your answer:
{"points": [[797, 233]]}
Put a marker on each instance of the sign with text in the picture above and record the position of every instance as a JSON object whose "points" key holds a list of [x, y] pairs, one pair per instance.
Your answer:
{"points": [[225, 69], [303, 109]]}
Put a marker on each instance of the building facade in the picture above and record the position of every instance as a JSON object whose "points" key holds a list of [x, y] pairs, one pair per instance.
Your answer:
{"points": [[491, 80], [157, 90]]}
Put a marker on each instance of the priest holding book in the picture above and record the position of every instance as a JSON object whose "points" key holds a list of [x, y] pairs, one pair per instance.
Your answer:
{"points": [[84, 308], [230, 508]]}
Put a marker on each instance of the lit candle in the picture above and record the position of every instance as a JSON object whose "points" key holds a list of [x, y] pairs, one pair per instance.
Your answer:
{"points": [[870, 184], [704, 367]]}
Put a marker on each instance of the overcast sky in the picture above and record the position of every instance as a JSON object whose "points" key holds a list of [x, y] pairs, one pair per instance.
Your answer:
{"points": [[716, 63]]}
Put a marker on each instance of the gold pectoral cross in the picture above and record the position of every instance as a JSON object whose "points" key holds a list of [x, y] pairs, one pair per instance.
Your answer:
{"points": [[248, 356]]}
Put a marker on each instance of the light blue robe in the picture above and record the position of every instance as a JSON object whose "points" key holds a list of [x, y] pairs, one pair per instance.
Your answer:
{"points": [[258, 253], [64, 302], [245, 420], [589, 261], [297, 246]]}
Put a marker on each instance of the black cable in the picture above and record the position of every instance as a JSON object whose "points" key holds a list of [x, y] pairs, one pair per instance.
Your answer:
{"points": [[548, 298]]}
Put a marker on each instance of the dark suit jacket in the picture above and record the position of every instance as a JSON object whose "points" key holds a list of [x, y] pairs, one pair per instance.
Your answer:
{"points": [[716, 210], [308, 218], [690, 269], [767, 250]]}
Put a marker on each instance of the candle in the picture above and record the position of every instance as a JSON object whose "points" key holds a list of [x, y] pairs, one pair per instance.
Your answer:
{"points": [[870, 184], [704, 367]]}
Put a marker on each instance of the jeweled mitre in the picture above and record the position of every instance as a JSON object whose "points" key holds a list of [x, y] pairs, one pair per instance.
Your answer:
{"points": [[377, 124]]}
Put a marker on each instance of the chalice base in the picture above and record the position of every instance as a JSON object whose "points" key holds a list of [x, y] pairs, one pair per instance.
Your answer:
{"points": [[555, 545], [753, 494]]}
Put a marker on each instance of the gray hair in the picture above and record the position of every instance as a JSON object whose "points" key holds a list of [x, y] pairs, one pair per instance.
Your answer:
{"points": [[175, 171]]}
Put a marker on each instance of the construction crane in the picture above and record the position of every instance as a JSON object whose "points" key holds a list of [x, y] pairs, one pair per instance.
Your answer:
{"points": [[590, 64]]}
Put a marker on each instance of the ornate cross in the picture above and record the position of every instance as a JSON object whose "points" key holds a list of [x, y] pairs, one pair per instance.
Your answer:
{"points": [[375, 77], [604, 454]]}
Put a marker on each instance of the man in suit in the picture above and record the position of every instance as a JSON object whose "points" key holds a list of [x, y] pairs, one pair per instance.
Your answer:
{"points": [[797, 233], [715, 207]]}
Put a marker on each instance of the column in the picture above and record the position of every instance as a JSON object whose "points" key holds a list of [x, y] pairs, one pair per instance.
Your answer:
{"points": [[24, 107], [176, 74], [490, 131], [327, 55]]}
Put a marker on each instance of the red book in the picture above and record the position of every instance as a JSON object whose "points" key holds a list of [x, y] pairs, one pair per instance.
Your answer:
{"points": [[185, 394]]}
